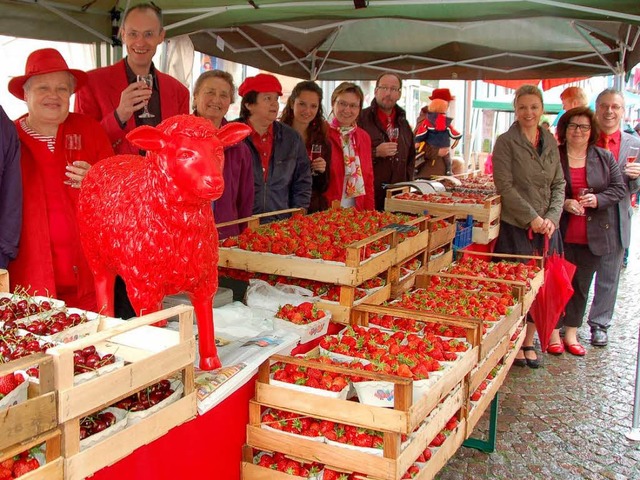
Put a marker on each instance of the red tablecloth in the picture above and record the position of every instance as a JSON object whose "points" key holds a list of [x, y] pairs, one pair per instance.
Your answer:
{"points": [[209, 446]]}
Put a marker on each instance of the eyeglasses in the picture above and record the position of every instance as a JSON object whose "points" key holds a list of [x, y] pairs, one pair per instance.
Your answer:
{"points": [[388, 89], [353, 106], [605, 106], [584, 127], [134, 35]]}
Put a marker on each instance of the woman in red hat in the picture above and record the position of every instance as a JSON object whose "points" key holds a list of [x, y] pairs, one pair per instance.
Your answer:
{"points": [[57, 150], [281, 167]]}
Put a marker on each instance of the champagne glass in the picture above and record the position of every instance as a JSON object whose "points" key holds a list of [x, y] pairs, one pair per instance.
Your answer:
{"points": [[148, 80], [316, 152], [393, 133], [72, 151]]}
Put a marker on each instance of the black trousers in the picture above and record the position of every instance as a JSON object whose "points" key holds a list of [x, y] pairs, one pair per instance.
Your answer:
{"points": [[586, 265], [122, 306]]}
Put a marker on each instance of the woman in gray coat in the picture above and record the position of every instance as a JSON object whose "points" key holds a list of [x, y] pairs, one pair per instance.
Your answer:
{"points": [[528, 175], [594, 188]]}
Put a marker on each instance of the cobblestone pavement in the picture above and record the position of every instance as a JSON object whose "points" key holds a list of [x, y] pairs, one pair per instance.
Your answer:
{"points": [[568, 419]]}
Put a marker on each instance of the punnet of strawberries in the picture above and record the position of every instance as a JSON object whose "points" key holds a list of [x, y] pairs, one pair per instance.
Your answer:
{"points": [[301, 314], [10, 382], [278, 461], [310, 376], [322, 235], [19, 465], [477, 267]]}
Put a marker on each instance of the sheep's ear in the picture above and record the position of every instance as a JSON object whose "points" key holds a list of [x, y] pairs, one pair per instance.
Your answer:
{"points": [[233, 133], [148, 138]]}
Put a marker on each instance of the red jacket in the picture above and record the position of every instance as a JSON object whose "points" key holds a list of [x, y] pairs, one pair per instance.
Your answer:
{"points": [[100, 97], [33, 267], [336, 176]]}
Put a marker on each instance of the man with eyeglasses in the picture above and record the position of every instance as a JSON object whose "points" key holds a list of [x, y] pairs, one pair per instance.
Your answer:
{"points": [[391, 135], [609, 114], [115, 97]]}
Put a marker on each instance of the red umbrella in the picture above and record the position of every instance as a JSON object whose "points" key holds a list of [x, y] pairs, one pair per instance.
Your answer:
{"points": [[553, 296]]}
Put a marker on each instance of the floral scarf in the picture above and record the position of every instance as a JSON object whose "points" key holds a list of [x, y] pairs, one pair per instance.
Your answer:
{"points": [[354, 182]]}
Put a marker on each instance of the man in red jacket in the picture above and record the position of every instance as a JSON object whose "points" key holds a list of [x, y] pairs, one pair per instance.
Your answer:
{"points": [[115, 98]]}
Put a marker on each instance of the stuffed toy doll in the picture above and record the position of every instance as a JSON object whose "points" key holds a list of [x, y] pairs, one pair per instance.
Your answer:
{"points": [[436, 128]]}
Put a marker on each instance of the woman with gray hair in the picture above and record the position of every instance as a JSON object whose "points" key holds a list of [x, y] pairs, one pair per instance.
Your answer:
{"points": [[528, 175], [213, 93], [57, 150]]}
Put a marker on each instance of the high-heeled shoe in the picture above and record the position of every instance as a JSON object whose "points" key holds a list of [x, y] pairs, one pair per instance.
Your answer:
{"points": [[555, 348]]}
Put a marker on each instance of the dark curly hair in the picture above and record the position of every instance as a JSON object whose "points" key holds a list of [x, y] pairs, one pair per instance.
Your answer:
{"points": [[561, 130], [317, 130]]}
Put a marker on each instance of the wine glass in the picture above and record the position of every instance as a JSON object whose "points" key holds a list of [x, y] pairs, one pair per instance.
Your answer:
{"points": [[72, 151], [393, 133], [316, 152], [148, 80], [581, 193], [632, 156]]}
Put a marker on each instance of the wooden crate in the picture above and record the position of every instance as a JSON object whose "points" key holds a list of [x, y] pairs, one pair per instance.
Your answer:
{"points": [[401, 283], [341, 311], [487, 212], [4, 280], [172, 353], [444, 453], [530, 291], [475, 412], [53, 469], [485, 233], [351, 273], [442, 236], [435, 263], [391, 422], [38, 414]]}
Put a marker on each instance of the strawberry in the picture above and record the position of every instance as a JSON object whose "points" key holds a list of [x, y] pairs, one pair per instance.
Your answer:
{"points": [[7, 383]]}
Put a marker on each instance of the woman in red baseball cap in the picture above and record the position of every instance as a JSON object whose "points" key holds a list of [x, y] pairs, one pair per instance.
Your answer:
{"points": [[57, 150]]}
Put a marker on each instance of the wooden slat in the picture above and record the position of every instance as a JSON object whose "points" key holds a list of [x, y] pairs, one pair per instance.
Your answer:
{"points": [[121, 444], [4, 280]]}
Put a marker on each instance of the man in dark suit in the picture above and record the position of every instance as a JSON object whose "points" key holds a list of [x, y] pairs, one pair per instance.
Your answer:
{"points": [[609, 114], [115, 98]]}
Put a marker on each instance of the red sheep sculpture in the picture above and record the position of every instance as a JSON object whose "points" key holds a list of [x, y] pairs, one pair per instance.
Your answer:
{"points": [[149, 219]]}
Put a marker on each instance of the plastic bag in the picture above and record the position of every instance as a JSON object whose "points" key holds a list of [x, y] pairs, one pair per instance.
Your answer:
{"points": [[268, 297]]}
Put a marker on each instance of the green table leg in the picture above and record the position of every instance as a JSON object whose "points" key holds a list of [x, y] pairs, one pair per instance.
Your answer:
{"points": [[489, 445]]}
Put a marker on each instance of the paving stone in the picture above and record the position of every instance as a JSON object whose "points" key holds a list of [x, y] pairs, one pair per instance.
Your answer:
{"points": [[568, 419]]}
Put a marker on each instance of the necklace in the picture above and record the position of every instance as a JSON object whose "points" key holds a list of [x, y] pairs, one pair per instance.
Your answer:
{"points": [[577, 158]]}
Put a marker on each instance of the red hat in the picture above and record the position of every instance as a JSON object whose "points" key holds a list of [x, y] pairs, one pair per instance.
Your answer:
{"points": [[261, 83], [442, 94], [46, 60]]}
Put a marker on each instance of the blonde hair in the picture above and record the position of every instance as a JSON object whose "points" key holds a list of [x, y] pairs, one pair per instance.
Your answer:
{"points": [[347, 87], [528, 90]]}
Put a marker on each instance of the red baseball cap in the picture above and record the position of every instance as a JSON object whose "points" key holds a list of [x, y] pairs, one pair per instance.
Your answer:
{"points": [[261, 83], [39, 62]]}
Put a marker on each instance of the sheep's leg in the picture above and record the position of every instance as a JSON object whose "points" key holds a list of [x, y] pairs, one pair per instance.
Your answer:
{"points": [[206, 339], [145, 302], [104, 282]]}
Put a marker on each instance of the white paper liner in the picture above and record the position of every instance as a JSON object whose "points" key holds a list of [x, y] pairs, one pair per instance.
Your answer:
{"points": [[306, 332], [342, 395], [136, 417], [121, 423], [86, 376]]}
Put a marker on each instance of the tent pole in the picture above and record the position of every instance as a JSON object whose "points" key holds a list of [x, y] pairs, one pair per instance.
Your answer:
{"points": [[634, 433], [468, 107]]}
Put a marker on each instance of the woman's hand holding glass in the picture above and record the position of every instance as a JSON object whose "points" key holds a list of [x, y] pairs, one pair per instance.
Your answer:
{"points": [[587, 199], [573, 206], [76, 167]]}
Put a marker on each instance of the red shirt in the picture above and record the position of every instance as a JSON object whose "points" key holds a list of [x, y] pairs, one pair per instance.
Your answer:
{"points": [[264, 145], [387, 121], [610, 142], [577, 228]]}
